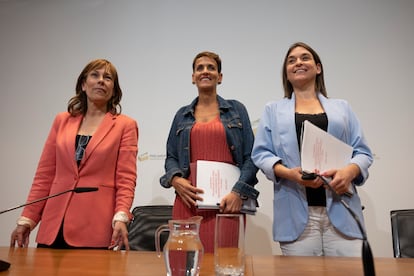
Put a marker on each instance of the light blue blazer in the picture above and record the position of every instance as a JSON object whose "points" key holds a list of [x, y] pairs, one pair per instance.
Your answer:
{"points": [[276, 141]]}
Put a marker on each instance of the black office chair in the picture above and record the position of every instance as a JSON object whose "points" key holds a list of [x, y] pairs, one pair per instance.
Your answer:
{"points": [[402, 226], [141, 231]]}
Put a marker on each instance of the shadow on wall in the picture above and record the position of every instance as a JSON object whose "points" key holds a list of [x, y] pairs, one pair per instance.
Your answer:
{"points": [[379, 240], [159, 200], [259, 236]]}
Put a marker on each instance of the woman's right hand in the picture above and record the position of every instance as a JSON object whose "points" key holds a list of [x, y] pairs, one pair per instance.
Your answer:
{"points": [[313, 183], [21, 236], [295, 175], [187, 192]]}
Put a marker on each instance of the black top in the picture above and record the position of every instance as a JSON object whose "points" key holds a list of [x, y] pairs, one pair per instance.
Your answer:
{"points": [[80, 146], [315, 197]]}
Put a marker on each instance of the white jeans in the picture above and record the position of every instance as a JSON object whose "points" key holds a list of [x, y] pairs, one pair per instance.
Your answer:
{"points": [[320, 238]]}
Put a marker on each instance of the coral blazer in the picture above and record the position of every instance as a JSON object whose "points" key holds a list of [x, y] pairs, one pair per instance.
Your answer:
{"points": [[109, 163]]}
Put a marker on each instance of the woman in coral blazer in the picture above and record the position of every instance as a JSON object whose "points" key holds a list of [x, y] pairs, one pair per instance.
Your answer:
{"points": [[91, 145]]}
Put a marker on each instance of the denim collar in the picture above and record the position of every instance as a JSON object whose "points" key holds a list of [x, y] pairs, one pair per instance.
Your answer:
{"points": [[189, 109]]}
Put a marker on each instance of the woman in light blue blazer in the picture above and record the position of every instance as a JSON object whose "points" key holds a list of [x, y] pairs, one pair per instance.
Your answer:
{"points": [[309, 219]]}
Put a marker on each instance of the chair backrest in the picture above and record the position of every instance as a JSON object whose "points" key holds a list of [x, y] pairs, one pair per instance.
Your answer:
{"points": [[141, 231], [402, 226]]}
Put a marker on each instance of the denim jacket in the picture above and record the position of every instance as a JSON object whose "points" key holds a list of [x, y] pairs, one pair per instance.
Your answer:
{"points": [[239, 135]]}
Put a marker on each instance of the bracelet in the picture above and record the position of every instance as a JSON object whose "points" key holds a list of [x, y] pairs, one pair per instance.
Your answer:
{"points": [[23, 221], [120, 216]]}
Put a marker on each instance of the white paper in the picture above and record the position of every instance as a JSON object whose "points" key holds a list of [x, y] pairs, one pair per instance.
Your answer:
{"points": [[322, 151], [217, 180]]}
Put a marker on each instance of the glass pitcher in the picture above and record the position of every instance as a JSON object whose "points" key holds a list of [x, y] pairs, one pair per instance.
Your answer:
{"points": [[183, 250]]}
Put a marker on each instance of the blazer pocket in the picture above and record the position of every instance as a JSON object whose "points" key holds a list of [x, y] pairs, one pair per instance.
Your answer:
{"points": [[107, 185]]}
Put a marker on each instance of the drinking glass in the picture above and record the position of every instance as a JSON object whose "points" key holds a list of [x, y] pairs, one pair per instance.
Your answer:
{"points": [[229, 255]]}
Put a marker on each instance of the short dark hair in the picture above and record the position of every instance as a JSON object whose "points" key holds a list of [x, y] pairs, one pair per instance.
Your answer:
{"points": [[210, 55]]}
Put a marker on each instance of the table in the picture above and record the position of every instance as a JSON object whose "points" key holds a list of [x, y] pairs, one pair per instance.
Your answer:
{"points": [[321, 266], [42, 261]]}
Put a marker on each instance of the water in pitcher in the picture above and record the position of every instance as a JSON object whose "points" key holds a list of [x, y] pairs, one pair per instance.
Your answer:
{"points": [[183, 254], [183, 250]]}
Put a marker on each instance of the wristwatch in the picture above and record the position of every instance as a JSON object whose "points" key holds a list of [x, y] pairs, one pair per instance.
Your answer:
{"points": [[242, 197]]}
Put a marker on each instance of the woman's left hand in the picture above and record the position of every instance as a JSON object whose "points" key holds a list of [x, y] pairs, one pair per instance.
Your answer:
{"points": [[119, 236], [231, 203], [342, 178]]}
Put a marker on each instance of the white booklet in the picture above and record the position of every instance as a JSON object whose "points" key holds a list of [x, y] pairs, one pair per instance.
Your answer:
{"points": [[322, 151], [217, 180]]}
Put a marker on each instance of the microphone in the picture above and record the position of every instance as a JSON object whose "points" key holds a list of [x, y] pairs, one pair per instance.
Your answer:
{"points": [[367, 257], [75, 190], [5, 265], [85, 189]]}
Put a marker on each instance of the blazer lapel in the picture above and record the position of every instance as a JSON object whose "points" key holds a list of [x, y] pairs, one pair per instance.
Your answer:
{"points": [[286, 116], [70, 136]]}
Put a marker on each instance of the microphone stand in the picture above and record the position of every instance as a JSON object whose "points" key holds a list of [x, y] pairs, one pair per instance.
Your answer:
{"points": [[75, 190], [367, 257], [5, 265]]}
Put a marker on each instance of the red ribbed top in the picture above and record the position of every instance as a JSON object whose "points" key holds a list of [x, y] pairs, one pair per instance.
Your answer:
{"points": [[207, 142]]}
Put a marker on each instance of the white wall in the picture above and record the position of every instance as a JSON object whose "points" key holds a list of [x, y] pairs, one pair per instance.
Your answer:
{"points": [[366, 47]]}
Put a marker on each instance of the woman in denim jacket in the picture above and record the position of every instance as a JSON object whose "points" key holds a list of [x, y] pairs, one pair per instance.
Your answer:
{"points": [[210, 128], [308, 219]]}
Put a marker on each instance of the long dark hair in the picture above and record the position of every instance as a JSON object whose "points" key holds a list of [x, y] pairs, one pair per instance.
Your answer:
{"points": [[319, 82]]}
